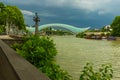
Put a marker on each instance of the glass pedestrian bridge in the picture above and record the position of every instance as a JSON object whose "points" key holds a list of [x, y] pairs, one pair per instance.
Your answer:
{"points": [[66, 26]]}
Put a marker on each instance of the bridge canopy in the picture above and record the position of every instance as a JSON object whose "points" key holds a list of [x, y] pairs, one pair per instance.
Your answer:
{"points": [[68, 27]]}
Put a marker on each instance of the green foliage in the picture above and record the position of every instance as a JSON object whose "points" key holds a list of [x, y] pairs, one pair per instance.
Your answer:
{"points": [[11, 16], [40, 51], [15, 16], [116, 26], [2, 29], [103, 29], [81, 35], [105, 72], [108, 34], [17, 46], [62, 32], [94, 30], [1, 7]]}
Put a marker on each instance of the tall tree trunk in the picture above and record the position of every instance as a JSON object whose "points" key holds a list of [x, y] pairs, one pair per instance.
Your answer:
{"points": [[7, 27]]}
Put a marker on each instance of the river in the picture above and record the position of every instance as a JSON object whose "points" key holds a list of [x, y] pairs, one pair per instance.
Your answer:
{"points": [[74, 53]]}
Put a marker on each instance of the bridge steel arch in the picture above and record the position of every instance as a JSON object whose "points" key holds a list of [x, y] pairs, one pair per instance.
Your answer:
{"points": [[69, 27]]}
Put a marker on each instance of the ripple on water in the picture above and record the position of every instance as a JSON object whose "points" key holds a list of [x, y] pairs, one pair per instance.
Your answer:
{"points": [[74, 53]]}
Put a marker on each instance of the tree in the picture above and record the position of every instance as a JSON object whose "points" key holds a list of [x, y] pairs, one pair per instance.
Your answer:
{"points": [[2, 6], [11, 16], [116, 26]]}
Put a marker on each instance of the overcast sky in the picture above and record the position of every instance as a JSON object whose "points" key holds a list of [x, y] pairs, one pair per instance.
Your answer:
{"points": [[80, 13]]}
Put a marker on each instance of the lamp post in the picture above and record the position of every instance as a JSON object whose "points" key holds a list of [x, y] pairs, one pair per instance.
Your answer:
{"points": [[36, 19]]}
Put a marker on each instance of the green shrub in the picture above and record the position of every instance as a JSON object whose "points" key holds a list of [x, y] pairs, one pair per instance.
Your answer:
{"points": [[81, 35], [104, 73], [40, 51]]}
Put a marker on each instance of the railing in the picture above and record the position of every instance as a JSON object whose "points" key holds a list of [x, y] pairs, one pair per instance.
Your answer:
{"points": [[14, 67]]}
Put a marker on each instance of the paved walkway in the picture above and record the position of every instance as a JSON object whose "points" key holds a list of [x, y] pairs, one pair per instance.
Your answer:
{"points": [[5, 37]]}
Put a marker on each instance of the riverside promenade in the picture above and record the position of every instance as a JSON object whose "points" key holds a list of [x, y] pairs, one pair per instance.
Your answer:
{"points": [[15, 67]]}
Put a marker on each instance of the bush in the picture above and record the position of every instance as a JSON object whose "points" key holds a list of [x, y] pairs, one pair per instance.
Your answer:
{"points": [[40, 51], [81, 35], [104, 73]]}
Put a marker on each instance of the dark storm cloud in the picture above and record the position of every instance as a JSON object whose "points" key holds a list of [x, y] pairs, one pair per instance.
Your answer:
{"points": [[81, 13]]}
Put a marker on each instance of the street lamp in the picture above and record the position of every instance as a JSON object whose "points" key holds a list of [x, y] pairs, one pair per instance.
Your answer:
{"points": [[36, 19]]}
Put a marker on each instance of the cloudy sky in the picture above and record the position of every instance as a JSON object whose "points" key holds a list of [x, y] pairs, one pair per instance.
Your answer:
{"points": [[80, 13]]}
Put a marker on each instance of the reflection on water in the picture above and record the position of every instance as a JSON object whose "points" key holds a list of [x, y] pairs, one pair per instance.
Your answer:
{"points": [[74, 53]]}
